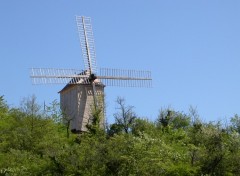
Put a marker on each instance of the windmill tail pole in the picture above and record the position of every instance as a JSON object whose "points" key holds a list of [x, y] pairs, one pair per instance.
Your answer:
{"points": [[94, 96]]}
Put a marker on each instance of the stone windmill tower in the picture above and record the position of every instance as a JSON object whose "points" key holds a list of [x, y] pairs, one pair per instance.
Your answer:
{"points": [[84, 90]]}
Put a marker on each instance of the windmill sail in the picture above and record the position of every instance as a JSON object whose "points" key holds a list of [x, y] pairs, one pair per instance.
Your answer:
{"points": [[58, 76], [125, 78], [107, 76], [87, 43]]}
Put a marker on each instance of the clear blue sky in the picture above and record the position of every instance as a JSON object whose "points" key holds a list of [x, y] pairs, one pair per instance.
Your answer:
{"points": [[191, 47]]}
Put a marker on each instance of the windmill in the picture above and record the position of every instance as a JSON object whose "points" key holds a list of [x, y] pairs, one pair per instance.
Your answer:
{"points": [[84, 89]]}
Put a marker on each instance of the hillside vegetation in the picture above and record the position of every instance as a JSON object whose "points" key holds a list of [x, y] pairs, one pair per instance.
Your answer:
{"points": [[36, 142]]}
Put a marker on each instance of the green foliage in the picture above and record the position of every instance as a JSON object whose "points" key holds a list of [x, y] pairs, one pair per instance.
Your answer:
{"points": [[169, 118], [54, 112], [94, 125], [235, 123], [141, 126], [115, 129], [35, 143], [3, 105]]}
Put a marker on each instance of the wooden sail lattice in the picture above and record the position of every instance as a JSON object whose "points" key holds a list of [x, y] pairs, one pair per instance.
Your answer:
{"points": [[109, 77]]}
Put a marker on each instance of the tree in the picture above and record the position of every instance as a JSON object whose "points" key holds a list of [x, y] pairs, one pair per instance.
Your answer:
{"points": [[164, 118], [235, 123], [141, 126], [32, 143], [30, 106], [215, 142], [3, 105], [58, 115], [29, 141], [54, 112], [170, 118], [125, 117], [115, 129]]}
